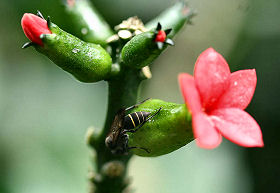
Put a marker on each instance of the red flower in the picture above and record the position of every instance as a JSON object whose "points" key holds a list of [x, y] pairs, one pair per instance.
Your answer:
{"points": [[33, 26], [161, 36], [217, 99]]}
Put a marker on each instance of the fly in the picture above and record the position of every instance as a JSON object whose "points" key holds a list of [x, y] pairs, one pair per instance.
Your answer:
{"points": [[117, 138]]}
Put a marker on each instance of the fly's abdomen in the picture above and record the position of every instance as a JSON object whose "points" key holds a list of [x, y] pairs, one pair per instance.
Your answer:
{"points": [[132, 120]]}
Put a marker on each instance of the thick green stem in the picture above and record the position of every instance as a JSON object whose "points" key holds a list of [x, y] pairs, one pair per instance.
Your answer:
{"points": [[123, 92]]}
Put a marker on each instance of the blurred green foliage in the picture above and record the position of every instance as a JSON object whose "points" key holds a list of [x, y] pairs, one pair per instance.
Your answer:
{"points": [[44, 112], [258, 46]]}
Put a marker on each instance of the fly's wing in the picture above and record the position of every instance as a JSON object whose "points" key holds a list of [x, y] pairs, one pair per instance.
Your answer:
{"points": [[117, 124]]}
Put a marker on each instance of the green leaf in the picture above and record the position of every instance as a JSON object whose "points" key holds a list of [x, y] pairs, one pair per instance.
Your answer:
{"points": [[166, 132]]}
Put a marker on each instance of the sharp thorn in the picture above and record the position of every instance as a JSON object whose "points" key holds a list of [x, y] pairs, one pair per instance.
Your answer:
{"points": [[160, 45], [40, 14], [169, 42], [49, 21], [158, 26], [167, 31], [28, 44]]}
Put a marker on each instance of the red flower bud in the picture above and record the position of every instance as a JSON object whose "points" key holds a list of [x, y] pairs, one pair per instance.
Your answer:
{"points": [[161, 36], [33, 26]]}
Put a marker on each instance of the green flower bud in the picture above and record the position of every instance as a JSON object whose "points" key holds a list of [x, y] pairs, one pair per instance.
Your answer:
{"points": [[167, 131], [86, 61], [144, 48], [141, 50]]}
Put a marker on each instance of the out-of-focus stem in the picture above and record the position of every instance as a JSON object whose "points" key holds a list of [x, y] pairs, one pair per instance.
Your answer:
{"points": [[89, 25]]}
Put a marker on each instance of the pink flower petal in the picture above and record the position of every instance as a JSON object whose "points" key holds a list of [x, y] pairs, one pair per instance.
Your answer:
{"points": [[205, 133], [240, 91], [190, 92], [211, 76], [238, 126]]}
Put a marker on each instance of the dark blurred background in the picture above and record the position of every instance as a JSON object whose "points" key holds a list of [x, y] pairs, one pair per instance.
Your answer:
{"points": [[45, 112]]}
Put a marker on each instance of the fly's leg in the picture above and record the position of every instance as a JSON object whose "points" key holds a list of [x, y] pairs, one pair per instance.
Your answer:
{"points": [[150, 117], [129, 148], [132, 107]]}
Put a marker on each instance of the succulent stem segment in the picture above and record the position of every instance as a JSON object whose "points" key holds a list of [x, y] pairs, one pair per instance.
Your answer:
{"points": [[123, 92]]}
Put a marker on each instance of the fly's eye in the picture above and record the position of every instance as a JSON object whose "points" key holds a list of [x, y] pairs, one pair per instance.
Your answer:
{"points": [[109, 141]]}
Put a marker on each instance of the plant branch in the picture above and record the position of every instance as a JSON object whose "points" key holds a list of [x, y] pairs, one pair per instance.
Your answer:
{"points": [[88, 24], [123, 92]]}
